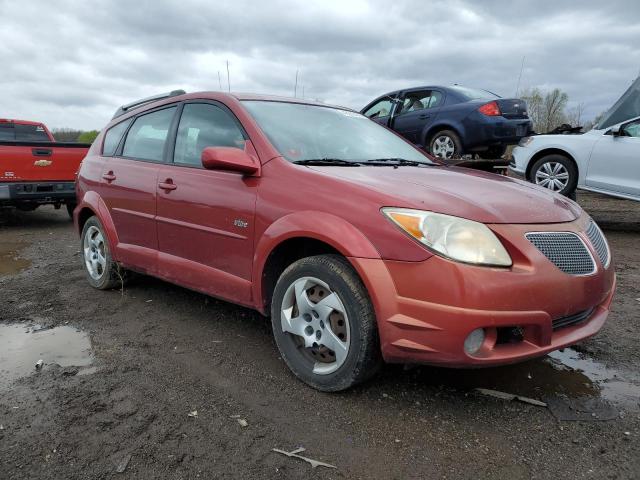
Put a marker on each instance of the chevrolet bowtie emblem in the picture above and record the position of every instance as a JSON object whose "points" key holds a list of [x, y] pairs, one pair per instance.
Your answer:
{"points": [[42, 163]]}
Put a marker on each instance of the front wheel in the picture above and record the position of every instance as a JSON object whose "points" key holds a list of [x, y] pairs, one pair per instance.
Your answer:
{"points": [[446, 145], [324, 323], [555, 172]]}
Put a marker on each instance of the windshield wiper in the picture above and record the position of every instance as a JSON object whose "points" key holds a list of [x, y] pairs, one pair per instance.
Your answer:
{"points": [[326, 161], [397, 161]]}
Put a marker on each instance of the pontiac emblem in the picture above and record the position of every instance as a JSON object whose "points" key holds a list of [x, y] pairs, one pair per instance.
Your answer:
{"points": [[42, 163]]}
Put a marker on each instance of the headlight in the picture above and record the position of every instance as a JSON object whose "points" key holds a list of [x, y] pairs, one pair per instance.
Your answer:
{"points": [[524, 141], [453, 237]]}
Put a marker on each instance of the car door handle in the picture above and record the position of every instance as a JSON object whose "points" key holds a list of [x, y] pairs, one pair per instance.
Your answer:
{"points": [[109, 177], [424, 116], [167, 185]]}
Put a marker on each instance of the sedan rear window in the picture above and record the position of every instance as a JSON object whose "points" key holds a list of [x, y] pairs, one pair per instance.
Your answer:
{"points": [[473, 93]]}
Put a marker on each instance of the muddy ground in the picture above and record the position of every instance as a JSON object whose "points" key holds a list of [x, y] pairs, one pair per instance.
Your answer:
{"points": [[159, 352]]}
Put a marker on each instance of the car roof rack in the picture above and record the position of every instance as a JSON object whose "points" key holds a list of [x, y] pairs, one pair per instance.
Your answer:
{"points": [[138, 103]]}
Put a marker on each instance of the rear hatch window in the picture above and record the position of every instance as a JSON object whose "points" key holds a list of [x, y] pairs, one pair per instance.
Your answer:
{"points": [[30, 133]]}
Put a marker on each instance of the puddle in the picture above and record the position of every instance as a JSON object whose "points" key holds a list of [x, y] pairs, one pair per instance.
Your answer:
{"points": [[21, 346], [567, 374], [10, 262]]}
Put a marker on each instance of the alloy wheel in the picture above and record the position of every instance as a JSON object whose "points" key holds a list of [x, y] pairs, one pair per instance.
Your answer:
{"points": [[317, 322], [443, 147]]}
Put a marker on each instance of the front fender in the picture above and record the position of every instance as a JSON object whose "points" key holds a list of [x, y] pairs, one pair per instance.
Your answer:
{"points": [[94, 202], [325, 227]]}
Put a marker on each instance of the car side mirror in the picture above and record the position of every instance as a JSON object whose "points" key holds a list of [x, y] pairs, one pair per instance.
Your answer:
{"points": [[229, 159], [616, 131]]}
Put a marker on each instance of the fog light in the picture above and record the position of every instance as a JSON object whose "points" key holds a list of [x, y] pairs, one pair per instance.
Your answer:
{"points": [[474, 341]]}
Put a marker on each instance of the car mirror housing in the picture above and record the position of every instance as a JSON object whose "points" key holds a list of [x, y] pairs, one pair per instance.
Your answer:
{"points": [[616, 131], [229, 159]]}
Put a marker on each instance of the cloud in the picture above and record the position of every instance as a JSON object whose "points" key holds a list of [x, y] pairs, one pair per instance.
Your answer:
{"points": [[71, 64]]}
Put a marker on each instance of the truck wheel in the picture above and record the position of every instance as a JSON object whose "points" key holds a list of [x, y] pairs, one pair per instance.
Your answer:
{"points": [[102, 272], [445, 144], [70, 208], [324, 323], [493, 153], [555, 172]]}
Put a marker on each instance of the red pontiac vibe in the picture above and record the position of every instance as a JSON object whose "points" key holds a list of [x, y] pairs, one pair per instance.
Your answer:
{"points": [[357, 244]]}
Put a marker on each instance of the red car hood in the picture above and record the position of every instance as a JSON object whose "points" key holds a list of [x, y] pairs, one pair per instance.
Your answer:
{"points": [[462, 192]]}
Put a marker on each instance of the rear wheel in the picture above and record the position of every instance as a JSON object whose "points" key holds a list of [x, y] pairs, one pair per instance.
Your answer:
{"points": [[324, 324], [102, 272], [555, 172], [445, 144]]}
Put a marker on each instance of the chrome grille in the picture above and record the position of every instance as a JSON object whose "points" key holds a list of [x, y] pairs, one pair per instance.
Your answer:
{"points": [[565, 250], [599, 243]]}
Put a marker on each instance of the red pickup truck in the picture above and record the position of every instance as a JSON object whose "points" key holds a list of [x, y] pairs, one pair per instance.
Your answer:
{"points": [[35, 169]]}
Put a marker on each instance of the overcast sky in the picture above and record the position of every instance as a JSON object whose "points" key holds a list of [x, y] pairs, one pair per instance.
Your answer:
{"points": [[71, 63]]}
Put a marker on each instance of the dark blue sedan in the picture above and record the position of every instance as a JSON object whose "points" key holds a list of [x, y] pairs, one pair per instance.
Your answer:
{"points": [[453, 121]]}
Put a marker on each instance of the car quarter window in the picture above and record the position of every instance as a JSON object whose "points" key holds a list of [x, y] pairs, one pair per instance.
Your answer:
{"points": [[148, 134], [112, 138], [632, 129], [380, 109], [205, 125], [420, 100]]}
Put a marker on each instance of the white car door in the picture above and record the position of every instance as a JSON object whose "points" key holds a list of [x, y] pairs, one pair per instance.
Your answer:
{"points": [[615, 161]]}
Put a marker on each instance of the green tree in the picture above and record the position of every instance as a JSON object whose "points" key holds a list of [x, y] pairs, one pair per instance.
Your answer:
{"points": [[88, 137]]}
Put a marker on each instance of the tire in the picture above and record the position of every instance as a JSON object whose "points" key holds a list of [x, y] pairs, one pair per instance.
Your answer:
{"points": [[445, 144], [559, 171], [493, 153], [102, 274], [70, 208], [297, 306]]}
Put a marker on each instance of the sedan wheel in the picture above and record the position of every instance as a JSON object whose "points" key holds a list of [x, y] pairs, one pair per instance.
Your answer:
{"points": [[552, 175], [555, 172], [443, 147]]}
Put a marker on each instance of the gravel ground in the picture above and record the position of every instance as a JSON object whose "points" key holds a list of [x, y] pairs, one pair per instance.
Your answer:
{"points": [[160, 352]]}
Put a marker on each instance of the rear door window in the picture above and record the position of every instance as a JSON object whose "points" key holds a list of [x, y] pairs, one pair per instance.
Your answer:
{"points": [[421, 100], [205, 125], [31, 133], [112, 138], [7, 132], [148, 134]]}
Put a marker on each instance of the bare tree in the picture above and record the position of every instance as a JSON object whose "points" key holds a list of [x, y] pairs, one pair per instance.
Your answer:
{"points": [[546, 110], [574, 115]]}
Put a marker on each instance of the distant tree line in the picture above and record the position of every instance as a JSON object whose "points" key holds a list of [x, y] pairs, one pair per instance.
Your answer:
{"points": [[72, 135], [548, 110]]}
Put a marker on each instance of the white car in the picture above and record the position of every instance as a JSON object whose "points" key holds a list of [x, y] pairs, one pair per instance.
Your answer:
{"points": [[605, 159]]}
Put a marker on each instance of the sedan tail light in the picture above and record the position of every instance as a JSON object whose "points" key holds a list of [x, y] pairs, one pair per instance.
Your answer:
{"points": [[490, 109]]}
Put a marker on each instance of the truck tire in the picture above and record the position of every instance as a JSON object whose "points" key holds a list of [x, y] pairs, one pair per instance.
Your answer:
{"points": [[445, 144], [101, 271], [555, 172], [324, 323]]}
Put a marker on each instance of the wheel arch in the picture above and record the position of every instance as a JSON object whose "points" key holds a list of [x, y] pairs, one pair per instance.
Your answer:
{"points": [[93, 205], [434, 129], [543, 153], [300, 235]]}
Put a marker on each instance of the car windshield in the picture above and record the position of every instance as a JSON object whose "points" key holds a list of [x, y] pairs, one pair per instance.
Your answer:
{"points": [[473, 93], [303, 132]]}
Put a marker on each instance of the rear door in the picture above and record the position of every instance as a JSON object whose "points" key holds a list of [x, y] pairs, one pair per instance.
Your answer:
{"points": [[416, 111], [129, 185], [615, 161], [205, 218]]}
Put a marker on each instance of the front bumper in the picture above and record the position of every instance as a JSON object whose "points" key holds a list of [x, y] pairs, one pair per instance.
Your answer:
{"points": [[15, 193], [427, 309]]}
